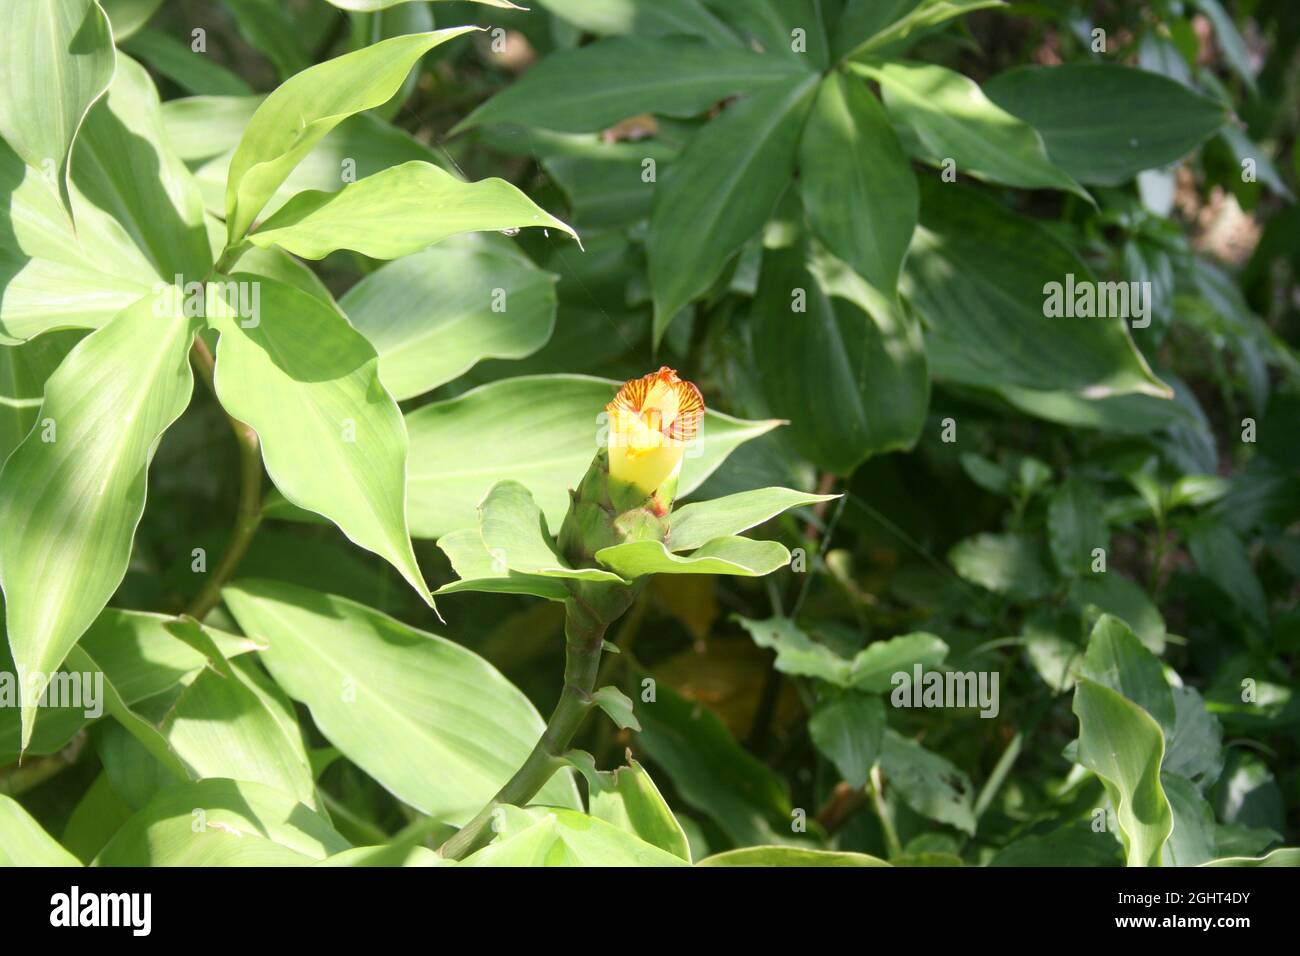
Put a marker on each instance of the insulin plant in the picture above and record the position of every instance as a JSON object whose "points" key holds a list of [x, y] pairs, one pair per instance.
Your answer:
{"points": [[993, 563]]}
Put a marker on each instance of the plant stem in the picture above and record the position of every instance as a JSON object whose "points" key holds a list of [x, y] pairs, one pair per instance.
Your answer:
{"points": [[882, 811], [249, 512], [584, 632]]}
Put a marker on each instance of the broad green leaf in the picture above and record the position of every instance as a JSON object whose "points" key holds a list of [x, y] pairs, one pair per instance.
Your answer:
{"points": [[1075, 844], [1076, 524], [721, 191], [595, 86], [856, 181], [272, 28], [547, 836], [694, 525], [980, 277], [23, 842], [222, 823], [128, 185], [1195, 748], [954, 120], [1072, 107], [630, 801], [332, 438], [1122, 744], [434, 723], [789, 856], [1004, 563], [386, 856], [539, 430], [663, 18], [435, 314], [398, 211], [839, 359], [930, 784], [848, 729], [58, 60], [128, 16], [796, 653], [870, 25], [515, 533], [478, 570], [297, 115], [1286, 856], [726, 555], [1223, 558], [74, 490], [1112, 593], [711, 771], [201, 127], [769, 25], [1116, 659]]}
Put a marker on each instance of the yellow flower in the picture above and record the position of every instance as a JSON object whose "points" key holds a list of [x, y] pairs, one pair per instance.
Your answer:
{"points": [[651, 421]]}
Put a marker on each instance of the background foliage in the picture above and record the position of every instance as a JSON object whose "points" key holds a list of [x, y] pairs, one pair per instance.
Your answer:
{"points": [[761, 193]]}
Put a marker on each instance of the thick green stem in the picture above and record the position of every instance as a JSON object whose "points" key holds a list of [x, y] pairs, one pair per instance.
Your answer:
{"points": [[584, 631], [249, 512]]}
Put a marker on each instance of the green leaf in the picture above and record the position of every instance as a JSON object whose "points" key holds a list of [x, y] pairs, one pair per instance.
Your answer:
{"points": [[630, 801], [396, 212], [1076, 524], [59, 58], [74, 490], [856, 181], [1286, 856], [435, 314], [1230, 41], [769, 25], [618, 706], [1004, 563], [222, 823], [1072, 107], [540, 430], [848, 730], [24, 370], [930, 784], [980, 278], [869, 25], [1195, 748], [953, 119], [128, 16], [548, 836], [386, 856], [297, 115], [838, 359], [1223, 559], [1122, 744], [433, 722], [24, 843], [1112, 593], [1191, 842], [876, 664], [720, 192], [129, 186], [1116, 659], [710, 771], [370, 6], [727, 555], [595, 86], [479, 570], [194, 72], [272, 28], [332, 439], [515, 533], [694, 525], [789, 856], [664, 18]]}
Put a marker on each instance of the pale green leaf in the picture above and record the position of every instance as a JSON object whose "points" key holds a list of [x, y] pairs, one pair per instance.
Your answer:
{"points": [[24, 843], [478, 570], [930, 784], [128, 16], [789, 856], [694, 525], [726, 555], [515, 533], [74, 490], [433, 315], [870, 25], [630, 801], [332, 438], [434, 723], [618, 706], [398, 211], [1116, 659], [1122, 744], [297, 115], [547, 836]]}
